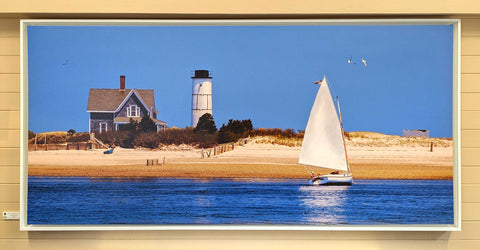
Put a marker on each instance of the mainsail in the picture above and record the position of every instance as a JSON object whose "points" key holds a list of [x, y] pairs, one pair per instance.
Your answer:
{"points": [[323, 140]]}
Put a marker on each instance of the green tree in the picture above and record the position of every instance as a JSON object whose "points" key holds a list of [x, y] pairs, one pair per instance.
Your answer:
{"points": [[234, 130], [147, 125], [71, 132], [131, 126], [206, 123], [224, 135]]}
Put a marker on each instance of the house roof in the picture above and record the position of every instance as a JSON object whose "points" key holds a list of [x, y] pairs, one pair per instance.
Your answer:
{"points": [[110, 99]]}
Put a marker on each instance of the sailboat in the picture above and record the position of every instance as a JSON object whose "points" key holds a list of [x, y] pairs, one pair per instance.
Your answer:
{"points": [[324, 143]]}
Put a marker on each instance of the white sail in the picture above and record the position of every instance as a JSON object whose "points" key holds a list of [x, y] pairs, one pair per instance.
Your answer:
{"points": [[323, 140]]}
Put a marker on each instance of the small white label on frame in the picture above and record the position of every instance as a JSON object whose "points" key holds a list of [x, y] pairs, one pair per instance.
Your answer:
{"points": [[11, 215]]}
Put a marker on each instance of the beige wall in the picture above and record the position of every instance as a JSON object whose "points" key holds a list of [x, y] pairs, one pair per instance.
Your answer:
{"points": [[243, 6], [12, 238]]}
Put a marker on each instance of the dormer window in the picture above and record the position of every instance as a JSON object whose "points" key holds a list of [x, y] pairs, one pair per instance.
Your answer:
{"points": [[133, 111]]}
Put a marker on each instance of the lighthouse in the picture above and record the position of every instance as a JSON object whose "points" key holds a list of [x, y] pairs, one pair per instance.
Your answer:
{"points": [[201, 95]]}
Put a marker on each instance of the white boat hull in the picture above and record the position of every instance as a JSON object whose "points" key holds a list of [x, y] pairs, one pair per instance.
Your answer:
{"points": [[331, 179]]}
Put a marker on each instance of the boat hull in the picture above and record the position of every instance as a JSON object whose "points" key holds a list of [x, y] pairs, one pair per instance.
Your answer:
{"points": [[332, 179], [108, 151]]}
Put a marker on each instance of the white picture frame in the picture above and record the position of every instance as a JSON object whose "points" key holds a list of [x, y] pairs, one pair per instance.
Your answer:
{"points": [[456, 226]]}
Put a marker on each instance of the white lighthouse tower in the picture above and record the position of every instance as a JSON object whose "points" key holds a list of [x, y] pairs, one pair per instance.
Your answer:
{"points": [[201, 95]]}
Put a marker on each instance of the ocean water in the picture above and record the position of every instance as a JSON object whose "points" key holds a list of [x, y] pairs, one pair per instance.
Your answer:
{"points": [[104, 201]]}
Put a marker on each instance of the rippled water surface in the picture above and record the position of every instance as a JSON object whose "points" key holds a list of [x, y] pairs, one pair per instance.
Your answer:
{"points": [[237, 201]]}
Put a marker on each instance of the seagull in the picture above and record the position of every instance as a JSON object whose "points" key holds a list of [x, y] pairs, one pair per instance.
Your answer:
{"points": [[364, 62], [351, 61]]}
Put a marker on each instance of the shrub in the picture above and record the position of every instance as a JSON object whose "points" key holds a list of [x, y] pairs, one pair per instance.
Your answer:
{"points": [[146, 125], [278, 132], [56, 138], [131, 127], [234, 130], [187, 136], [124, 139], [176, 136], [205, 140], [147, 140], [31, 134], [205, 123], [80, 137], [71, 132]]}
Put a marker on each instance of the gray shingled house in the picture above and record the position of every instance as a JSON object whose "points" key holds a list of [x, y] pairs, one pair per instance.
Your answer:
{"points": [[110, 109]]}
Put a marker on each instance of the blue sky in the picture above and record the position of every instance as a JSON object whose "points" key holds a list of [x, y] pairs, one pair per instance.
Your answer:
{"points": [[262, 73]]}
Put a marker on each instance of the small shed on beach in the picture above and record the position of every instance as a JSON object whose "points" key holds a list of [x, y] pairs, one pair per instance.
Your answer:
{"points": [[415, 133], [110, 109]]}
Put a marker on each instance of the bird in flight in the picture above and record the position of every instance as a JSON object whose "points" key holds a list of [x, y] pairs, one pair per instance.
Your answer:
{"points": [[350, 60], [364, 62]]}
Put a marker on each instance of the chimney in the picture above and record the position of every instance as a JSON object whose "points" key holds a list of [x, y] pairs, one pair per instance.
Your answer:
{"points": [[122, 82]]}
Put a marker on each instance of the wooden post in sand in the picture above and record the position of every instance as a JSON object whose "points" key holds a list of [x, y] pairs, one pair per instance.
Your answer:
{"points": [[202, 154], [163, 160], [45, 143], [151, 162], [36, 142], [431, 146]]}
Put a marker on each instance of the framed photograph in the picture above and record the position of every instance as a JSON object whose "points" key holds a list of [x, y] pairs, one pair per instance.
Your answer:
{"points": [[240, 124]]}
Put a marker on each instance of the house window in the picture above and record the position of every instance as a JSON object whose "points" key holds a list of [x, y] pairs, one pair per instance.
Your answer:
{"points": [[133, 111], [103, 127]]}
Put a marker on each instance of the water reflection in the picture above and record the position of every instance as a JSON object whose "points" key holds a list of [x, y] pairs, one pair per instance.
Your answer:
{"points": [[324, 204]]}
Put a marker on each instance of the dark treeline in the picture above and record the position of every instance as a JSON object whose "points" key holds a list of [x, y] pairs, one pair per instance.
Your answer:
{"points": [[204, 135]]}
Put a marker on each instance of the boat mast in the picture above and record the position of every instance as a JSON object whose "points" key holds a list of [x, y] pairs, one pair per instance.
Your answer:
{"points": [[343, 135]]}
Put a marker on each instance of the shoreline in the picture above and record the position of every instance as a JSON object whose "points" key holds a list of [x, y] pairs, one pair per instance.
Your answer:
{"points": [[253, 160], [238, 170]]}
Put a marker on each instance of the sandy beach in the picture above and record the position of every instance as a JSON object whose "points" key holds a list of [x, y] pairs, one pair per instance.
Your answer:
{"points": [[260, 160]]}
